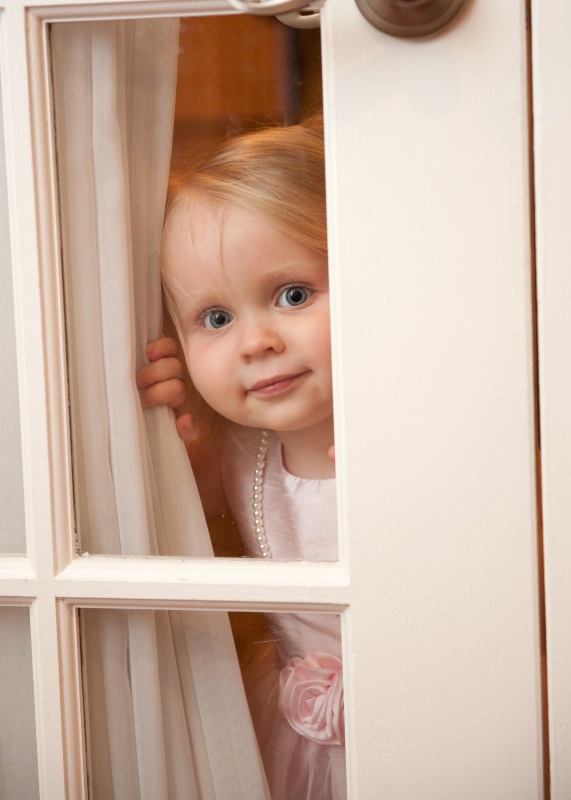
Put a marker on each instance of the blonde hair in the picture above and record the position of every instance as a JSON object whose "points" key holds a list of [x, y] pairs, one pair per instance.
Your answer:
{"points": [[277, 173]]}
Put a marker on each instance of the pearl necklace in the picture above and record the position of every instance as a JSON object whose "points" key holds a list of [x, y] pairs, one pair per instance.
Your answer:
{"points": [[257, 496]]}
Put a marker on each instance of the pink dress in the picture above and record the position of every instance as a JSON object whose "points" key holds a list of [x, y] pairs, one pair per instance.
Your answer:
{"points": [[301, 734]]}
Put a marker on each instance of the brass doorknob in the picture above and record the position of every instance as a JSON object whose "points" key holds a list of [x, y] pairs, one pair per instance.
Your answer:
{"points": [[409, 18]]}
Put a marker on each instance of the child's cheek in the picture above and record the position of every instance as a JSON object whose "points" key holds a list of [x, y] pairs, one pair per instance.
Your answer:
{"points": [[321, 338], [198, 369], [210, 377], [199, 375]]}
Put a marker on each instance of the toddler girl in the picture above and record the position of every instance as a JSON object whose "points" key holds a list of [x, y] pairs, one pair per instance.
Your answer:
{"points": [[244, 262]]}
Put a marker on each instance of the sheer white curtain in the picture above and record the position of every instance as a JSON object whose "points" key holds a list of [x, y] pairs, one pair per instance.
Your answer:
{"points": [[12, 531], [18, 754], [167, 714]]}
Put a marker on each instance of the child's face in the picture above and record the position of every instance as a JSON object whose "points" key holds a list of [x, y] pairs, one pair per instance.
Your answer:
{"points": [[254, 314]]}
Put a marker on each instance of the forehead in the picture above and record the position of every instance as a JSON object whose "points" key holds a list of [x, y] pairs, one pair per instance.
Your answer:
{"points": [[205, 239], [193, 230]]}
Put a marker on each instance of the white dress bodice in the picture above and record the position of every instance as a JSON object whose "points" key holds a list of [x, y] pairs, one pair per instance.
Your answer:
{"points": [[301, 524]]}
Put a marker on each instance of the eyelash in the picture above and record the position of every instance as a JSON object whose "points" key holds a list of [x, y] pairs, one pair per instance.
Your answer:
{"points": [[304, 286], [201, 320]]}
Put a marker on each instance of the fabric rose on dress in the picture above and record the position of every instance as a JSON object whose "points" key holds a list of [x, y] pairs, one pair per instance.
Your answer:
{"points": [[311, 697]]}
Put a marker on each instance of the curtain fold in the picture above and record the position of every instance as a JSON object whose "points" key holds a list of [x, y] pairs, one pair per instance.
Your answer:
{"points": [[18, 752], [12, 529], [166, 710]]}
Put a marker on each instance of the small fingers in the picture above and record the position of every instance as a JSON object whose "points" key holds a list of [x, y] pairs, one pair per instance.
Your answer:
{"points": [[165, 369], [161, 348], [169, 392], [331, 452], [187, 428]]}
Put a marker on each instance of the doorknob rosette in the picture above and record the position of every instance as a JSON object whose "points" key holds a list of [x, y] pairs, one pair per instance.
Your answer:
{"points": [[409, 18]]}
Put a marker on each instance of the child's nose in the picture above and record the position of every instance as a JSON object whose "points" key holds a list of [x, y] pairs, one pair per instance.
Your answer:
{"points": [[258, 337]]}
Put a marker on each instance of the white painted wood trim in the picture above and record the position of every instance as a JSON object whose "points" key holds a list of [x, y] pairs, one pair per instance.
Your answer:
{"points": [[24, 246], [218, 583], [59, 550], [16, 568], [552, 131], [37, 418], [72, 702], [48, 698], [69, 10]]}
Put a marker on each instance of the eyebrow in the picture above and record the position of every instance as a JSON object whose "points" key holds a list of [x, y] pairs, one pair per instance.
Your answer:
{"points": [[193, 302], [287, 272]]}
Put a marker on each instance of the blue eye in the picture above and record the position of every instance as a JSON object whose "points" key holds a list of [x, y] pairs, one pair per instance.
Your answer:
{"points": [[214, 320], [294, 296]]}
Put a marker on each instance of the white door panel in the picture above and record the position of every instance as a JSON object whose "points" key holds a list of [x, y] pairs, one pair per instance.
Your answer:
{"points": [[429, 215]]}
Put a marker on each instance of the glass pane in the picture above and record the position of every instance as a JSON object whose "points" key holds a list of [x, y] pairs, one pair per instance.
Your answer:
{"points": [[252, 209], [12, 531], [18, 754], [240, 72], [156, 682]]}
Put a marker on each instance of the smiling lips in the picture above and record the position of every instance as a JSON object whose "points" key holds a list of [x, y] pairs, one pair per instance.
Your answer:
{"points": [[275, 385]]}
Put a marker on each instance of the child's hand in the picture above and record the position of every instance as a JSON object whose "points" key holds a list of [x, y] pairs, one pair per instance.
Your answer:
{"points": [[161, 383], [331, 452]]}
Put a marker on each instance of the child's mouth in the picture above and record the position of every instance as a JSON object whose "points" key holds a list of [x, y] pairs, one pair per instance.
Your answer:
{"points": [[275, 385]]}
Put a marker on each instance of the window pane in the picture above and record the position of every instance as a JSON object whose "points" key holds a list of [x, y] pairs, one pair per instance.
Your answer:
{"points": [[178, 699], [239, 72], [18, 755], [12, 531], [115, 91]]}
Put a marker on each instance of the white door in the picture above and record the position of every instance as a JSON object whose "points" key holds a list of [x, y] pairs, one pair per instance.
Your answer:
{"points": [[551, 75], [431, 261]]}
